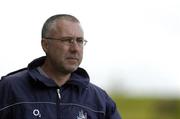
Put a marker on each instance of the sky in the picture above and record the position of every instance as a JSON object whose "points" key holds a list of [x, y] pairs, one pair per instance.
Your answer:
{"points": [[133, 46]]}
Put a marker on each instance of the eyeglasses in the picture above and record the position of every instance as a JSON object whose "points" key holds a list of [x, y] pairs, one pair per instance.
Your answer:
{"points": [[70, 40]]}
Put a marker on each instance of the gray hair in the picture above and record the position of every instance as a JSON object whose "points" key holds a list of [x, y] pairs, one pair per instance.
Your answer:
{"points": [[49, 22]]}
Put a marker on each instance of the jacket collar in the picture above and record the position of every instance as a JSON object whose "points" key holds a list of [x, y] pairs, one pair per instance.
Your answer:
{"points": [[79, 77]]}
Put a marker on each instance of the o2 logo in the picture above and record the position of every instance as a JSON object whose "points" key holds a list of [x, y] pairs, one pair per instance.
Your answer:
{"points": [[36, 113]]}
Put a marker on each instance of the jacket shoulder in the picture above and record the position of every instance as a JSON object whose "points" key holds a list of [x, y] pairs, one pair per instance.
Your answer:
{"points": [[98, 91], [105, 100], [14, 74]]}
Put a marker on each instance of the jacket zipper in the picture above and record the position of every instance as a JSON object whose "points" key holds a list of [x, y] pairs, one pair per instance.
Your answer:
{"points": [[59, 93]]}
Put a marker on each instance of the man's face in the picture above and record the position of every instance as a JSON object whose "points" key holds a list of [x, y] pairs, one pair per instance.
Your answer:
{"points": [[62, 57]]}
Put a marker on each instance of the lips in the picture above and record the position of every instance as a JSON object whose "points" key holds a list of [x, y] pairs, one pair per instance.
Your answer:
{"points": [[72, 59]]}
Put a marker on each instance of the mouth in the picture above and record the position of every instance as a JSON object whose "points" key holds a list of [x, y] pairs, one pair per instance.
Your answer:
{"points": [[72, 59]]}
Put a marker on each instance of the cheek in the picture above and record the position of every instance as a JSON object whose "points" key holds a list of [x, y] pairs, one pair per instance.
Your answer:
{"points": [[54, 52], [60, 53], [81, 52]]}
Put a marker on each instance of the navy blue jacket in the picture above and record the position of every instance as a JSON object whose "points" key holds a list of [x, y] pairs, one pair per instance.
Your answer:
{"points": [[26, 94]]}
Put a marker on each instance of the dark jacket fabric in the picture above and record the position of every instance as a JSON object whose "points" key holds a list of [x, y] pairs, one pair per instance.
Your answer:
{"points": [[27, 94]]}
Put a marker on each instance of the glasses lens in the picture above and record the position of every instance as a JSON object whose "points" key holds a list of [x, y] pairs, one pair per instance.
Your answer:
{"points": [[70, 40]]}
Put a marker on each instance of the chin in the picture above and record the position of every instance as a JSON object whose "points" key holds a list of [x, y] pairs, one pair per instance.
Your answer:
{"points": [[72, 69]]}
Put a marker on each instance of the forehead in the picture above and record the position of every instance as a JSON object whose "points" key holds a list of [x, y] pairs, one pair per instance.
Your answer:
{"points": [[68, 28]]}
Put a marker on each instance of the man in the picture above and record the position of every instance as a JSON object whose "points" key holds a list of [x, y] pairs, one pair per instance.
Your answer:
{"points": [[54, 86]]}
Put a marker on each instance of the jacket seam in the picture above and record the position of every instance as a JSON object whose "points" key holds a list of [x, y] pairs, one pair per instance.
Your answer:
{"points": [[74, 104], [18, 103], [53, 103]]}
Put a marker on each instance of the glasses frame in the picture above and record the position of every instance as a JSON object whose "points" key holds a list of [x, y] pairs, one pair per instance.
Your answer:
{"points": [[70, 40]]}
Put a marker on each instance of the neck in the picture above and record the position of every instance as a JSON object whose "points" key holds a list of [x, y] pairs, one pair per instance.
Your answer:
{"points": [[59, 77]]}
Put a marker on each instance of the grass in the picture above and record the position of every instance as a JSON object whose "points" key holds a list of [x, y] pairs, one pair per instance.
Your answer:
{"points": [[147, 108]]}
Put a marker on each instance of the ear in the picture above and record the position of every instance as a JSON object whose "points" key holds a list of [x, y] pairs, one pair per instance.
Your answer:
{"points": [[44, 44]]}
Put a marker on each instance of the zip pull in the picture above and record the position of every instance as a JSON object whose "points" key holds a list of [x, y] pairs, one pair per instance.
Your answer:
{"points": [[59, 94]]}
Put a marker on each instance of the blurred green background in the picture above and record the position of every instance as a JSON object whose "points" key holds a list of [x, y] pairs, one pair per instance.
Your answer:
{"points": [[147, 108]]}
